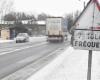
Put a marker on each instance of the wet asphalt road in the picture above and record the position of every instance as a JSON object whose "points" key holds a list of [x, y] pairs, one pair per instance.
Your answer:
{"points": [[15, 56]]}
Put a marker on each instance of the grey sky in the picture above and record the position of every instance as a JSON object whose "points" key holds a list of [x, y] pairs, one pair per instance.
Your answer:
{"points": [[52, 7]]}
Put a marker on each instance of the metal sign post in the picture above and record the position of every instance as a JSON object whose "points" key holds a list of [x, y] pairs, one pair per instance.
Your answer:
{"points": [[89, 65]]}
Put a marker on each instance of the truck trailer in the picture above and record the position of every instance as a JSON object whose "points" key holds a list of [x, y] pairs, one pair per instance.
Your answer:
{"points": [[56, 29]]}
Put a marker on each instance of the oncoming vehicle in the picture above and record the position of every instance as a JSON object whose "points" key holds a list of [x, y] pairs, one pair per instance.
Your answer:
{"points": [[22, 37]]}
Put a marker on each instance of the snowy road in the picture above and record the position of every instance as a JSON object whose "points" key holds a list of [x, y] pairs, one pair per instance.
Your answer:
{"points": [[70, 65], [16, 56]]}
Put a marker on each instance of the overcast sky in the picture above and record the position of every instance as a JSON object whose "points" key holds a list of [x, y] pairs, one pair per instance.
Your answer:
{"points": [[52, 7]]}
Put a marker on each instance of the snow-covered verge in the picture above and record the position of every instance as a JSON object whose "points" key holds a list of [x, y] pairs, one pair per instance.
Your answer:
{"points": [[31, 39], [70, 65], [5, 41], [34, 39]]}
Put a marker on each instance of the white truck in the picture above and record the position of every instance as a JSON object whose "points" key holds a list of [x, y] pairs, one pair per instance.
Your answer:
{"points": [[56, 29]]}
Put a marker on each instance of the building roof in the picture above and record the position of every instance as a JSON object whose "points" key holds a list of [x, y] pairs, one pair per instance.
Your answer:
{"points": [[41, 22], [24, 22], [55, 17], [6, 22]]}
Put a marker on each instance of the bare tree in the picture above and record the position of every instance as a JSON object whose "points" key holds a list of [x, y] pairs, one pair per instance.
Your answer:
{"points": [[6, 6], [76, 14], [69, 18], [10, 17], [42, 16]]}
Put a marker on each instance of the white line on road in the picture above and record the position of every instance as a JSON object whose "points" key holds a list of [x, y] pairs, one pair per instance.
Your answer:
{"points": [[29, 59], [22, 48], [26, 71]]}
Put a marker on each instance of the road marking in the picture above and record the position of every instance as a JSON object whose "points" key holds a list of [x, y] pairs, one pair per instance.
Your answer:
{"points": [[24, 69], [6, 49], [29, 59], [22, 48]]}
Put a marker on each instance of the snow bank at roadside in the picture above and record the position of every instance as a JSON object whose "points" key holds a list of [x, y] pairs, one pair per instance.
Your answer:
{"points": [[41, 38], [5, 41], [70, 65], [31, 39]]}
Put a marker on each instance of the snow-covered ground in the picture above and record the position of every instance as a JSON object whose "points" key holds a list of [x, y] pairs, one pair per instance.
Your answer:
{"points": [[34, 39], [70, 65], [31, 39], [5, 41]]}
